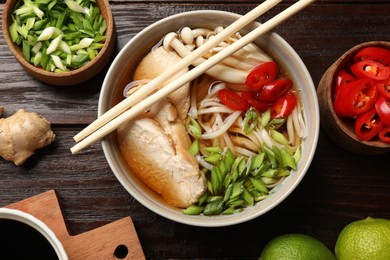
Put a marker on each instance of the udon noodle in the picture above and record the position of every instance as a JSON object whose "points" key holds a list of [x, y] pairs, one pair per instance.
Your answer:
{"points": [[216, 129]]}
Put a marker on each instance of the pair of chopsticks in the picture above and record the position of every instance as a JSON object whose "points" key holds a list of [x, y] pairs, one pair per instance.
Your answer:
{"points": [[129, 108]]}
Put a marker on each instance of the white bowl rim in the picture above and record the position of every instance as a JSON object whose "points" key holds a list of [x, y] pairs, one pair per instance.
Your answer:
{"points": [[38, 225], [212, 221]]}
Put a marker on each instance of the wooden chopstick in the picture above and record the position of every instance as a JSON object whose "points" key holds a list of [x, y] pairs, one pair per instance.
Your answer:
{"points": [[119, 117], [183, 63]]}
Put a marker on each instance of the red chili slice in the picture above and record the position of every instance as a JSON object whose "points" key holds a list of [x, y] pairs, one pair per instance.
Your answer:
{"points": [[355, 98], [368, 125], [370, 69], [384, 89], [384, 134], [284, 105], [338, 104], [382, 107], [343, 78], [232, 100], [261, 75], [274, 90], [251, 97], [374, 53]]}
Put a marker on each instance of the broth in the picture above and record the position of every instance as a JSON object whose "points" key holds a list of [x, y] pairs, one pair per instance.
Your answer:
{"points": [[21, 241]]}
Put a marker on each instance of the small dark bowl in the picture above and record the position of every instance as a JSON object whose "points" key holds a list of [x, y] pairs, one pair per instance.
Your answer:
{"points": [[339, 129], [71, 77]]}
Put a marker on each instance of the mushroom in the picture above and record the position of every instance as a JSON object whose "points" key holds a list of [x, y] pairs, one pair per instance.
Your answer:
{"points": [[219, 71], [233, 69]]}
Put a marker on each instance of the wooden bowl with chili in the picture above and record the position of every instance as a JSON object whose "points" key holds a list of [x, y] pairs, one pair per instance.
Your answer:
{"points": [[354, 99]]}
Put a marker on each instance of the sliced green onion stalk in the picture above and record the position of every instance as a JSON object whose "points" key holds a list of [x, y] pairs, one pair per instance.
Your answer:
{"points": [[13, 32], [37, 58], [47, 33], [54, 44], [235, 183], [37, 47], [212, 149], [193, 210], [57, 62], [65, 47], [74, 6], [279, 137], [250, 121], [58, 35], [194, 148], [265, 118], [194, 128]]}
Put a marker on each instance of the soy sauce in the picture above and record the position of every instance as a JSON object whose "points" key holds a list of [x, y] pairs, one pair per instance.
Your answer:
{"points": [[21, 242]]}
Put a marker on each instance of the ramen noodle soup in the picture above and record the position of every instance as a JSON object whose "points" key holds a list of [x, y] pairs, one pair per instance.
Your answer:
{"points": [[222, 142]]}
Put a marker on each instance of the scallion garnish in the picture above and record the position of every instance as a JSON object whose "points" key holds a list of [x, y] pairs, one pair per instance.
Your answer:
{"points": [[58, 35], [234, 183]]}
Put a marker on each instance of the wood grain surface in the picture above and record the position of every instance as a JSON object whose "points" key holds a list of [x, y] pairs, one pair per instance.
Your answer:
{"points": [[339, 187]]}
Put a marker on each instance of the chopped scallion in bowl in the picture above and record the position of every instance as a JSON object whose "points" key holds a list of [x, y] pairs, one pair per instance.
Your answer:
{"points": [[58, 40]]}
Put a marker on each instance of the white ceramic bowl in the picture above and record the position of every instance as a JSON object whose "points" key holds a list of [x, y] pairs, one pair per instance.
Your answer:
{"points": [[120, 73], [30, 220]]}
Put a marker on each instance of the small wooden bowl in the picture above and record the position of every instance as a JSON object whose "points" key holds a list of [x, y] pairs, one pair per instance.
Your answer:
{"points": [[71, 77], [339, 129]]}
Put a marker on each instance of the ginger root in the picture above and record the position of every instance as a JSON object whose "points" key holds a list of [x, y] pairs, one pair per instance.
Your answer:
{"points": [[23, 133]]}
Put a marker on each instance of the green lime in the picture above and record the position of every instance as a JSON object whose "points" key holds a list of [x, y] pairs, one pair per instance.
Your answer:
{"points": [[295, 247], [366, 239]]}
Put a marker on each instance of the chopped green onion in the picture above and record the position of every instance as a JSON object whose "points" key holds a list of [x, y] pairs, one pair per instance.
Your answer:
{"points": [[37, 47], [58, 62], [271, 156], [13, 31], [86, 42], [64, 47], [266, 117], [74, 6], [51, 5], [235, 183], [213, 207], [212, 149], [69, 59], [279, 137], [193, 210], [37, 58], [54, 44], [194, 128], [62, 32], [30, 23], [259, 185], [194, 147], [248, 198], [46, 34], [103, 27], [275, 123], [23, 10], [213, 158], [38, 25], [22, 31], [96, 46], [288, 159], [297, 154], [250, 121], [26, 50], [91, 53]]}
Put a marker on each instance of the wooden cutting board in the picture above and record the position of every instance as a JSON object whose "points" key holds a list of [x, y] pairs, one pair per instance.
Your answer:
{"points": [[117, 240]]}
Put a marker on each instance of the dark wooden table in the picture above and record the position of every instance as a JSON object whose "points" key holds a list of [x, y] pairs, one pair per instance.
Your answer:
{"points": [[339, 187]]}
